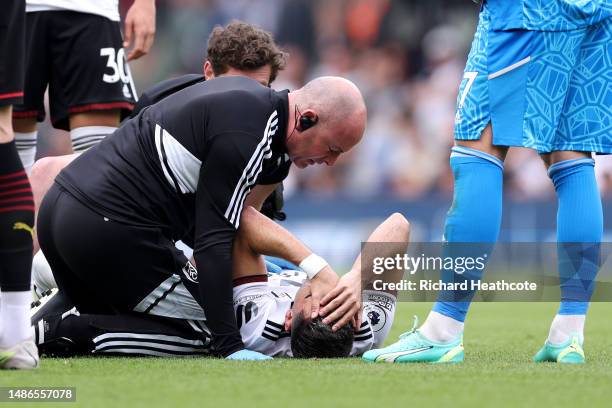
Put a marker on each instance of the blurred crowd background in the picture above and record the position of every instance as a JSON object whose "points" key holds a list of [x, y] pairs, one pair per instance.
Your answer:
{"points": [[407, 57]]}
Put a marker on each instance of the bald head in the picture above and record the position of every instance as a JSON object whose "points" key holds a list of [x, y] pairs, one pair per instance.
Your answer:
{"points": [[336, 110]]}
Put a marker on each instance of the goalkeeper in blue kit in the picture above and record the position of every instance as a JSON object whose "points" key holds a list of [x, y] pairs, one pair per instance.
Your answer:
{"points": [[539, 75]]}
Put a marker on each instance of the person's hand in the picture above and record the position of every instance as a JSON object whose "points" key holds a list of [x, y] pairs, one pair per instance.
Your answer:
{"points": [[343, 303], [139, 28], [245, 354], [320, 285]]}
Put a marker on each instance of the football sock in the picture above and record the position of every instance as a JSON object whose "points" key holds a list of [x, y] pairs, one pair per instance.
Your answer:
{"points": [[26, 147], [87, 136], [16, 223], [42, 275], [474, 217], [563, 326], [15, 316], [440, 328], [579, 233]]}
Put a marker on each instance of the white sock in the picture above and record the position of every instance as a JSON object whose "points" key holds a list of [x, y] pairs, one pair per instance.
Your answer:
{"points": [[563, 326], [440, 328], [42, 275], [15, 317], [26, 147], [88, 136]]}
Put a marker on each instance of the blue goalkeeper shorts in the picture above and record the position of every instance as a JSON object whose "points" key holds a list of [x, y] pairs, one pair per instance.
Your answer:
{"points": [[546, 90]]}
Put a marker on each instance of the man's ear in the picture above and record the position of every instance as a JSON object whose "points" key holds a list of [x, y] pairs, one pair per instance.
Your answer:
{"points": [[208, 71], [307, 119], [288, 320]]}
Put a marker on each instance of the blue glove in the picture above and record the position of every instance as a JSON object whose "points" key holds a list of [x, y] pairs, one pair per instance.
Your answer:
{"points": [[276, 265], [273, 268], [247, 355]]}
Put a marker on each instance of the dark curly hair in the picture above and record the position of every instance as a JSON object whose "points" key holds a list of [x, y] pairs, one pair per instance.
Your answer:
{"points": [[245, 47], [315, 339]]}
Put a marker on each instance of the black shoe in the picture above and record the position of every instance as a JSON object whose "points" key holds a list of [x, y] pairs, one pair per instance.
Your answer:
{"points": [[51, 302]]}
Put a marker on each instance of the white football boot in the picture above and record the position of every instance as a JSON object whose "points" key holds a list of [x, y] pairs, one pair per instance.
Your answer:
{"points": [[23, 355]]}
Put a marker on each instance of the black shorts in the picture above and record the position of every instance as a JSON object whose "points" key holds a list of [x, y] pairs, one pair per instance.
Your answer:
{"points": [[104, 266], [12, 44], [80, 57]]}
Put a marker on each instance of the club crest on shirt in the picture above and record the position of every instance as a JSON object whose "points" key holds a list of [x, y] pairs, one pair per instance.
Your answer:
{"points": [[190, 272]]}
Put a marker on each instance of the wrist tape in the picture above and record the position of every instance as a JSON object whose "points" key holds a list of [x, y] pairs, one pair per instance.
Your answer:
{"points": [[312, 265]]}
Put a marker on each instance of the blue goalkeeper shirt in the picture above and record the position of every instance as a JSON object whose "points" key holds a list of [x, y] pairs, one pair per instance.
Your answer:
{"points": [[547, 15]]}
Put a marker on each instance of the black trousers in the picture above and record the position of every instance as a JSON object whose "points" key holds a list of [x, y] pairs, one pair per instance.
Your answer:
{"points": [[135, 335], [62, 331], [103, 266]]}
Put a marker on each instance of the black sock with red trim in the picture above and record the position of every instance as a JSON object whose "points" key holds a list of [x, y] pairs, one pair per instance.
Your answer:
{"points": [[16, 221]]}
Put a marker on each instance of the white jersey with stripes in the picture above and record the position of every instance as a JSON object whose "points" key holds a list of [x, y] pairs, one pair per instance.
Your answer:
{"points": [[261, 308], [104, 8]]}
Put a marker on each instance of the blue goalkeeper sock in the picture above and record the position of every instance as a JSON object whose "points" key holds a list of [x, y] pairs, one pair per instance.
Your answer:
{"points": [[579, 232], [474, 217]]}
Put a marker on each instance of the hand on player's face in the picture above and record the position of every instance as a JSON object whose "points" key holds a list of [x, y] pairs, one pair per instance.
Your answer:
{"points": [[320, 286], [343, 304]]}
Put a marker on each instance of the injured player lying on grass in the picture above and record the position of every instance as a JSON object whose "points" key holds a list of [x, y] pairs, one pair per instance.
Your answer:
{"points": [[273, 311]]}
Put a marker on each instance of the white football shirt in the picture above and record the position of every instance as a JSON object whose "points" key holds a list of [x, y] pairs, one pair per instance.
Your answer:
{"points": [[261, 307], [104, 8]]}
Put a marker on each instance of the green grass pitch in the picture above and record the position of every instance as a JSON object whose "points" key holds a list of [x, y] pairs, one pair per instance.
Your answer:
{"points": [[501, 339]]}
